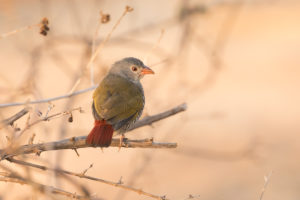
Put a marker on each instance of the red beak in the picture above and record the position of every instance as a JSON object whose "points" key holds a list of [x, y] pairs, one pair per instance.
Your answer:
{"points": [[147, 70]]}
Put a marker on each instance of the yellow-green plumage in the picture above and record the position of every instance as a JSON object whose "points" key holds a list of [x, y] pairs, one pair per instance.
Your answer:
{"points": [[118, 101]]}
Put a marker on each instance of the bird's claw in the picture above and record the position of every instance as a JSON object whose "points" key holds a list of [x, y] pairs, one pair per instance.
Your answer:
{"points": [[121, 141]]}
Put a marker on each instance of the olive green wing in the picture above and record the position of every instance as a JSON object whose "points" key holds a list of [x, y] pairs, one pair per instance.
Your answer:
{"points": [[117, 100]]}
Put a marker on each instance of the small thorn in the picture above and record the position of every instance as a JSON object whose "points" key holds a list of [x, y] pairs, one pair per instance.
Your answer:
{"points": [[76, 152], [120, 182], [84, 172]]}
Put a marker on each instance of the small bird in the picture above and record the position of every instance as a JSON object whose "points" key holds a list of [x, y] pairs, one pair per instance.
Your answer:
{"points": [[118, 101]]}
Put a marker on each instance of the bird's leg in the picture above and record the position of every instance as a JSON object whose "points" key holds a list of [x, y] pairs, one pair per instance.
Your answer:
{"points": [[121, 141]]}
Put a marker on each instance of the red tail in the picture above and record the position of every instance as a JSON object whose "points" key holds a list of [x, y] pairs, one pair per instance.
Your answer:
{"points": [[101, 134]]}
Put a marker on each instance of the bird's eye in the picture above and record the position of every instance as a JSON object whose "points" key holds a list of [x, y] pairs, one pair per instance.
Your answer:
{"points": [[134, 68]]}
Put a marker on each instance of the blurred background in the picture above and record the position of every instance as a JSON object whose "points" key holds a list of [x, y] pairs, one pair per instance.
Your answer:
{"points": [[235, 64]]}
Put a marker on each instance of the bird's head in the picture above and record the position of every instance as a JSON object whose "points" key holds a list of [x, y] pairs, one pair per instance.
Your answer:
{"points": [[130, 68]]}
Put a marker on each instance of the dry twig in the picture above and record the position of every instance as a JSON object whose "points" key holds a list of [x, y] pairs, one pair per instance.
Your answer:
{"points": [[101, 45], [15, 117], [154, 118], [47, 118], [80, 142], [118, 184], [267, 180], [43, 28], [44, 188], [48, 99]]}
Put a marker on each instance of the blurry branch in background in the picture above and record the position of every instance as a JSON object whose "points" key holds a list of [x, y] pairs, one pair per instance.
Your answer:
{"points": [[118, 184], [101, 45], [43, 28], [43, 188], [104, 18], [12, 176], [154, 46], [40, 187], [214, 52], [48, 99], [209, 154], [15, 117], [267, 180]]}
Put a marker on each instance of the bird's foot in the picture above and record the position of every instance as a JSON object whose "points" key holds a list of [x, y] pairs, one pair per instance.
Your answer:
{"points": [[121, 141]]}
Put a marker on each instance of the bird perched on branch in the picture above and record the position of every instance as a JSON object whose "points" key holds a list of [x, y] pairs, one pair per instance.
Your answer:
{"points": [[118, 101]]}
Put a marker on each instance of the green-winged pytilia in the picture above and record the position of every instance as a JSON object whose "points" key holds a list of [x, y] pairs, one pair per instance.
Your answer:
{"points": [[118, 101]]}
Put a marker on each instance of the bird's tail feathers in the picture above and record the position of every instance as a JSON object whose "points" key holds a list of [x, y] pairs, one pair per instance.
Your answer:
{"points": [[101, 134]]}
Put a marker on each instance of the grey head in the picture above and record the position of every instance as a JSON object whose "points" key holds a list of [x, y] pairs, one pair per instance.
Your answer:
{"points": [[130, 68]]}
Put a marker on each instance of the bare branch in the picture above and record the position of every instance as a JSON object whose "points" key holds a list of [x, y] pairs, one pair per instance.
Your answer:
{"points": [[12, 176], [47, 118], [104, 18], [48, 99], [82, 175], [101, 45], [154, 118], [154, 46], [80, 142], [43, 188], [15, 117]]}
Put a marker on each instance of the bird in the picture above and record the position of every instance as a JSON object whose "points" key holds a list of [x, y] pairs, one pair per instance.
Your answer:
{"points": [[118, 101]]}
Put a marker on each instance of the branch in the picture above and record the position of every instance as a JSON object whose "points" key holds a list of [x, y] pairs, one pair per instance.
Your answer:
{"points": [[12, 176], [101, 45], [49, 99], [80, 142], [49, 117], [43, 24], [82, 175], [43, 188], [12, 119], [154, 118]]}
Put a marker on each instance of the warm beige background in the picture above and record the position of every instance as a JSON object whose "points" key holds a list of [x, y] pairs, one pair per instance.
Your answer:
{"points": [[238, 127]]}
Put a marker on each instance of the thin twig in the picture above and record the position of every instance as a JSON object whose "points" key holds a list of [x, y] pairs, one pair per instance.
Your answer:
{"points": [[267, 180], [13, 176], [154, 46], [43, 188], [101, 45], [82, 175], [148, 120], [47, 118], [104, 18], [43, 24], [49, 99]]}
